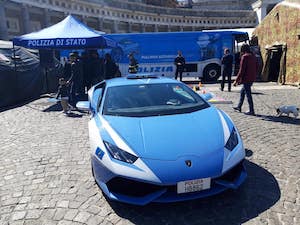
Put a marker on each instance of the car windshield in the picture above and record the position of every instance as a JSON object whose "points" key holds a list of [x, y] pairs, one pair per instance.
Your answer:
{"points": [[151, 100]]}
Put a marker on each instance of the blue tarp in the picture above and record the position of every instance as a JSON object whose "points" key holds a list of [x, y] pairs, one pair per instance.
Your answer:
{"points": [[67, 34]]}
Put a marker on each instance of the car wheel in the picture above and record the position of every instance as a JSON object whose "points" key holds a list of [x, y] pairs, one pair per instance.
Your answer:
{"points": [[93, 174], [212, 72]]}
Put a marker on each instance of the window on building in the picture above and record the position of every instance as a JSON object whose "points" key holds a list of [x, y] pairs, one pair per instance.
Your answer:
{"points": [[277, 16], [13, 24], [35, 25]]}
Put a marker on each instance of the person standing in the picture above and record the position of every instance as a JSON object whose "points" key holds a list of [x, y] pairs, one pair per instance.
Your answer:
{"points": [[133, 64], [180, 63], [227, 61], [75, 80], [246, 76], [84, 58], [110, 67], [96, 67]]}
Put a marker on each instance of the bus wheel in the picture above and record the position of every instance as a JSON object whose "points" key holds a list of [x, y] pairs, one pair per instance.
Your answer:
{"points": [[212, 72]]}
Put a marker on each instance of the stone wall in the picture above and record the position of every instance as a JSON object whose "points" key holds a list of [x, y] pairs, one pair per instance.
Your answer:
{"points": [[281, 26]]}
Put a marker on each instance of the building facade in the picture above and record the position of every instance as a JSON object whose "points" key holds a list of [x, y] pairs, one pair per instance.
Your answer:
{"points": [[222, 4], [117, 16], [263, 7]]}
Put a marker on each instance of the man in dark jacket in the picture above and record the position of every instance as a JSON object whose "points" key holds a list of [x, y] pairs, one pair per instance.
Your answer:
{"points": [[246, 76], [75, 80], [96, 67], [227, 61], [180, 63], [110, 67]]}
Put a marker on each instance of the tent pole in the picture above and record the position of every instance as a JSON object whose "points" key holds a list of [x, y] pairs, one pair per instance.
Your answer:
{"points": [[46, 78], [15, 72], [14, 52]]}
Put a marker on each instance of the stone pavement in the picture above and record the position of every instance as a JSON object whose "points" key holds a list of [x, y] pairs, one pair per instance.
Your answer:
{"points": [[45, 174]]}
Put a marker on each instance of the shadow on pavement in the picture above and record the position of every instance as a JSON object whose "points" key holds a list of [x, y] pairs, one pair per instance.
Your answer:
{"points": [[257, 93], [19, 104], [74, 115], [259, 192], [54, 108], [280, 119]]}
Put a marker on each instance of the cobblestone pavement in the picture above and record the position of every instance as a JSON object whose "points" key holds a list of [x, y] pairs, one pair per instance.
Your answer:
{"points": [[45, 174]]}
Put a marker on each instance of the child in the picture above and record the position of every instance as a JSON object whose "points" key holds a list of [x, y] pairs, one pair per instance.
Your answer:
{"points": [[63, 94]]}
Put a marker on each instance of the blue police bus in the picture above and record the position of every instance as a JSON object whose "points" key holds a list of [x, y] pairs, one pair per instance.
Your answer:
{"points": [[155, 52]]}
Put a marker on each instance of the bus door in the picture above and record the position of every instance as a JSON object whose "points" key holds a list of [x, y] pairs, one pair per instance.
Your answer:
{"points": [[239, 40]]}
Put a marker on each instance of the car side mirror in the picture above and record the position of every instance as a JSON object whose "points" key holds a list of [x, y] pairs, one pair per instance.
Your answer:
{"points": [[83, 105], [207, 96], [95, 96]]}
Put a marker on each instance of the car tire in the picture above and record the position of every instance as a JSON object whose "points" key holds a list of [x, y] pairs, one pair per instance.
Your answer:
{"points": [[93, 174], [212, 72]]}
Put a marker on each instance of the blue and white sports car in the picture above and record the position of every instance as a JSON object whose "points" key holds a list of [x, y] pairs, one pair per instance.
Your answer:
{"points": [[153, 139]]}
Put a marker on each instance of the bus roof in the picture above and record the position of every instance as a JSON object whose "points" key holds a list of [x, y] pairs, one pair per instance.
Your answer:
{"points": [[183, 32], [240, 36]]}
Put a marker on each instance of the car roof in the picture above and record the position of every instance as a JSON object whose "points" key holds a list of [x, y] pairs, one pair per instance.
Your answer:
{"points": [[139, 79]]}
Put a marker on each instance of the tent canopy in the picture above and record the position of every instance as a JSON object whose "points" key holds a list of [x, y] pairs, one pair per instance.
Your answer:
{"points": [[70, 33]]}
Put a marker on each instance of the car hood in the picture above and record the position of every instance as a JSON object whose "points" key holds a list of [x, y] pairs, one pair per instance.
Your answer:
{"points": [[172, 136]]}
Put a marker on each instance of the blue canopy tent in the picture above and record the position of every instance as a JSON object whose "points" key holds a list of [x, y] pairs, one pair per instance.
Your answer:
{"points": [[70, 33]]}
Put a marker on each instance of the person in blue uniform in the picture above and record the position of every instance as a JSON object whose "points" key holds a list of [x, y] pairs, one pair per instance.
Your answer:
{"points": [[227, 61], [180, 64]]}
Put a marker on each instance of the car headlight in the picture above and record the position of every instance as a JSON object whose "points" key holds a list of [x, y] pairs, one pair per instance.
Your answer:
{"points": [[232, 140], [119, 154]]}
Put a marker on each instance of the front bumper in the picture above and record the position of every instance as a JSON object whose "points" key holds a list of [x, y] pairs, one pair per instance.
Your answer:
{"points": [[139, 192]]}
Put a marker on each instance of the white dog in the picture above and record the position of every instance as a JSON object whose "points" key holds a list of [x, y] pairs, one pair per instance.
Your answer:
{"points": [[287, 109]]}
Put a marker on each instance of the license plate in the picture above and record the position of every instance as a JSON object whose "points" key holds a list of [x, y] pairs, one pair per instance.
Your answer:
{"points": [[193, 185]]}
